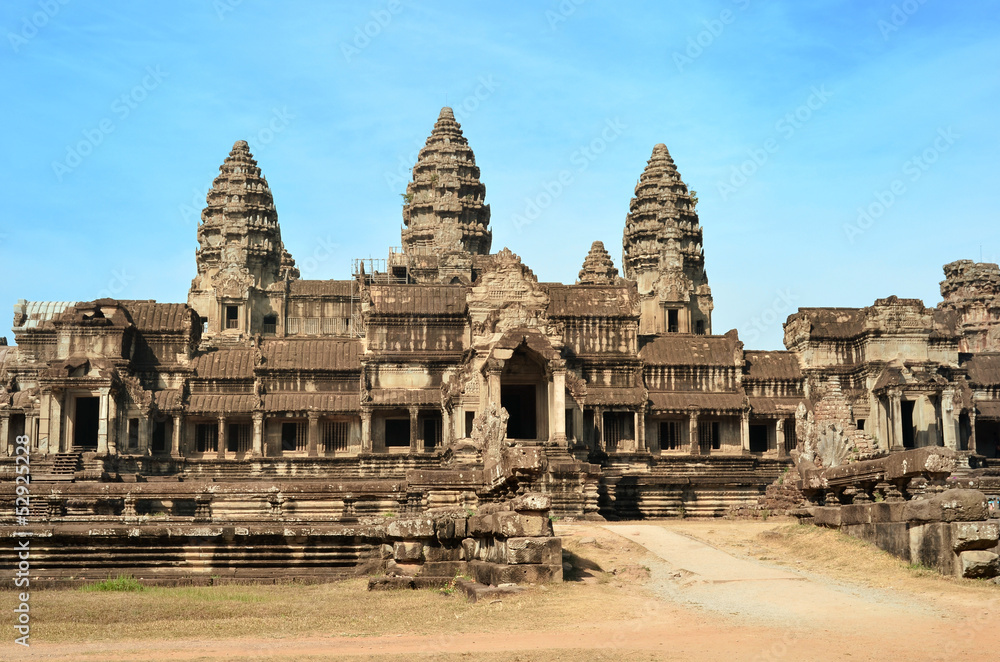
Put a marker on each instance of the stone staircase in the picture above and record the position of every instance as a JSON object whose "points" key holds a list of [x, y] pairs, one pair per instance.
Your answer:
{"points": [[67, 464]]}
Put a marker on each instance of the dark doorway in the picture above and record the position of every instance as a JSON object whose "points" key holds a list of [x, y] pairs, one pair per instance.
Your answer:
{"points": [[964, 432], [17, 427], [908, 435], [470, 417], [672, 321], [432, 432], [397, 433], [988, 438], [133, 433], [758, 438], [160, 437], [519, 401], [88, 414], [289, 436]]}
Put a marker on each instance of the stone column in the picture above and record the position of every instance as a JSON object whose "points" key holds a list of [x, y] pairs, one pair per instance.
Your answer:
{"points": [[366, 431], [745, 431], [5, 445], [221, 440], [640, 431], [416, 442], [972, 430], [494, 368], [599, 426], [258, 434], [559, 401], [55, 422], [44, 414], [29, 430], [779, 437], [112, 424], [693, 433], [175, 436], [897, 421], [948, 424], [102, 424], [446, 429], [145, 433], [312, 437]]}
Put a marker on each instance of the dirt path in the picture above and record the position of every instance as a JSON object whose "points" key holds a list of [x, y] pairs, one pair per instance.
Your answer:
{"points": [[691, 572]]}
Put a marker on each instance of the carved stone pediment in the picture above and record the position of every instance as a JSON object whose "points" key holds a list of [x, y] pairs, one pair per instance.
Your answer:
{"points": [[233, 281], [506, 296], [673, 285]]}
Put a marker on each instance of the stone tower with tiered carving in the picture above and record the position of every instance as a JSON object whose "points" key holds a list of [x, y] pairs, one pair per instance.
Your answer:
{"points": [[663, 252], [240, 255], [971, 290], [446, 221], [598, 269]]}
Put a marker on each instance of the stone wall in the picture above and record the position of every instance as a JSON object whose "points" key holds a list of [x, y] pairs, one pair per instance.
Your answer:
{"points": [[499, 544], [954, 532]]}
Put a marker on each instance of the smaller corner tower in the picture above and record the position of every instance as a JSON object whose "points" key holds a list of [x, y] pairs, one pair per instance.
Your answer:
{"points": [[242, 262]]}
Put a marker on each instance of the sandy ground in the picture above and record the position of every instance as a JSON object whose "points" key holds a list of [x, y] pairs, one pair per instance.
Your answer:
{"points": [[696, 602]]}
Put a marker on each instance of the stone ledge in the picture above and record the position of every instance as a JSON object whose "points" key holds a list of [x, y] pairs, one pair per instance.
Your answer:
{"points": [[474, 591]]}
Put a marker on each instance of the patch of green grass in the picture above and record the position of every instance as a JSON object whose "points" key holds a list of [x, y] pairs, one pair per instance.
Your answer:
{"points": [[922, 569], [121, 583]]}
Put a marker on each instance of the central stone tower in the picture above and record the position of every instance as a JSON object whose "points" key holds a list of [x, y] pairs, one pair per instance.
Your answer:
{"points": [[663, 252], [446, 222]]}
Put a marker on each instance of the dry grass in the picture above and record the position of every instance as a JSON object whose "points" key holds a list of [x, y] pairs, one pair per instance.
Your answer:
{"points": [[342, 609]]}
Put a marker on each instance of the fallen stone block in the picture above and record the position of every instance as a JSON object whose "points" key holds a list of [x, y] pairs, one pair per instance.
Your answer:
{"points": [[470, 547], [441, 553], [531, 503], [510, 525], [410, 528], [407, 552], [481, 525], [978, 564], [547, 551], [496, 574], [974, 535], [948, 506], [474, 591]]}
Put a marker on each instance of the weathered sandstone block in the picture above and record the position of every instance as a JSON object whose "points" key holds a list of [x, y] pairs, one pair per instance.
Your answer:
{"points": [[974, 535], [979, 563]]}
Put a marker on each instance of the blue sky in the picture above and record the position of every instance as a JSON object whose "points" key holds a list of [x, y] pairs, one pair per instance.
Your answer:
{"points": [[786, 117]]}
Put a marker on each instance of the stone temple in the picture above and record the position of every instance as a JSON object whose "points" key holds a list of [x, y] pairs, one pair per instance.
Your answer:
{"points": [[266, 397]]}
